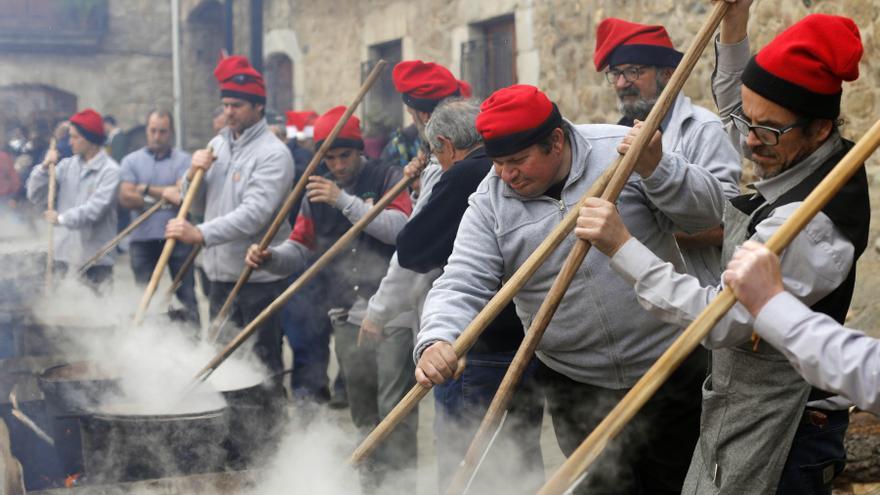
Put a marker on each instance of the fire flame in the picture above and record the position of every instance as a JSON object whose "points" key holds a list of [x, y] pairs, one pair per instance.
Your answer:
{"points": [[70, 481]]}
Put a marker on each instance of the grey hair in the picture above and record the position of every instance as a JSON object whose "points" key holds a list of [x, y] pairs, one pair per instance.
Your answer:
{"points": [[454, 119]]}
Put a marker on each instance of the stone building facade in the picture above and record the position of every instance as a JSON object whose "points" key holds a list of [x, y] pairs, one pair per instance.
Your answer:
{"points": [[125, 72], [328, 42], [320, 51]]}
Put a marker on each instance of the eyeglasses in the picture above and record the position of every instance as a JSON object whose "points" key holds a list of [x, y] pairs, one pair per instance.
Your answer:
{"points": [[769, 136], [630, 74]]}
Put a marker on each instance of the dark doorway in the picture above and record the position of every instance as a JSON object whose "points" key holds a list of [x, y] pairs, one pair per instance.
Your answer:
{"points": [[35, 105], [383, 108], [488, 62], [279, 83]]}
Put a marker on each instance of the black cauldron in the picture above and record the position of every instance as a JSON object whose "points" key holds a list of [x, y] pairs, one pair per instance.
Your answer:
{"points": [[130, 447]]}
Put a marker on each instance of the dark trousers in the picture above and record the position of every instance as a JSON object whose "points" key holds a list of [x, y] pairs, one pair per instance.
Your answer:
{"points": [[251, 300], [145, 254], [378, 374], [305, 322], [817, 454], [652, 454], [99, 278], [515, 463]]}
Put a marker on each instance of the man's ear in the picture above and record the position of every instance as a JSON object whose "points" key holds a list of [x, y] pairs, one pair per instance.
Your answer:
{"points": [[446, 141]]}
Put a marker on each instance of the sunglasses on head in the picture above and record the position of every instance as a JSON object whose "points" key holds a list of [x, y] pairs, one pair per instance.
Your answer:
{"points": [[242, 79]]}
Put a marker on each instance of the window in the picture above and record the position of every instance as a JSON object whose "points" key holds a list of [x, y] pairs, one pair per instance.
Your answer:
{"points": [[383, 108], [279, 83], [488, 61], [47, 25]]}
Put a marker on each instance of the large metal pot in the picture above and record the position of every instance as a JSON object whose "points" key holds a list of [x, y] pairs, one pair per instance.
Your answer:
{"points": [[75, 389], [70, 392], [256, 416], [130, 447]]}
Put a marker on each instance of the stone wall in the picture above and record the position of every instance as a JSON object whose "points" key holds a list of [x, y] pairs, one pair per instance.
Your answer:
{"points": [[334, 35], [128, 74]]}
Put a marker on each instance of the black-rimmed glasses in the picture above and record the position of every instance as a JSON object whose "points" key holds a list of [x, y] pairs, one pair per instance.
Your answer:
{"points": [[769, 136], [630, 74]]}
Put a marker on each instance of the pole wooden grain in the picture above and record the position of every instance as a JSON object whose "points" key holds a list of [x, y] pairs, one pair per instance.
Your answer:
{"points": [[303, 279], [194, 186], [106, 248], [50, 232], [526, 351], [647, 386]]}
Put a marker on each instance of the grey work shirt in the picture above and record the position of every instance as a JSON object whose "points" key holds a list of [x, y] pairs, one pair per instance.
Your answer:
{"points": [[698, 134], [141, 167], [86, 203], [815, 263], [240, 196], [599, 334], [825, 353]]}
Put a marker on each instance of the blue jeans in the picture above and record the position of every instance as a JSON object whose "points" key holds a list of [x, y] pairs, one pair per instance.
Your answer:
{"points": [[145, 254], [305, 322], [816, 457], [459, 408]]}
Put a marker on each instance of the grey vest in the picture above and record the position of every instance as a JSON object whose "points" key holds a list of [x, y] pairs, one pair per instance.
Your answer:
{"points": [[752, 405]]}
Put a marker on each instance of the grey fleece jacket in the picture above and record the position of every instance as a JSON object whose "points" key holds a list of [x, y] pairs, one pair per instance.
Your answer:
{"points": [[86, 203], [239, 197], [600, 335]]}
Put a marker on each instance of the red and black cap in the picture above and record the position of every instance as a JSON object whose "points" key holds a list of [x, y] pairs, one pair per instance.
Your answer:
{"points": [[803, 68], [623, 42], [90, 125], [465, 89], [349, 136], [514, 118], [423, 85], [300, 124], [238, 79]]}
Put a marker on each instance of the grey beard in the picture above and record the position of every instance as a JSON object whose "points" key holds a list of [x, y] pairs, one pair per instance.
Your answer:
{"points": [[640, 108], [637, 110]]}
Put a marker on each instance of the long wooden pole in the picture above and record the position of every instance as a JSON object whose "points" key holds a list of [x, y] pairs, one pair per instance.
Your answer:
{"points": [[292, 198], [492, 421], [495, 305], [106, 248], [194, 186], [184, 268], [470, 334], [50, 249], [303, 279], [648, 385]]}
